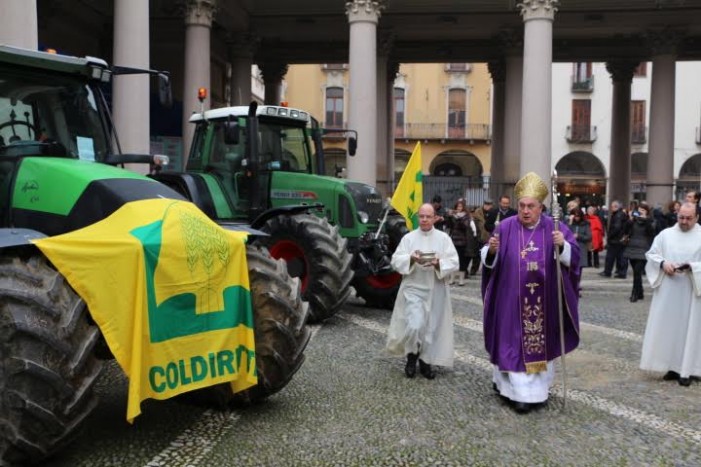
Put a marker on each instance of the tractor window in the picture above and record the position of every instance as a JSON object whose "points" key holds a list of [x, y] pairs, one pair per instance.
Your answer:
{"points": [[284, 148], [50, 114], [228, 155]]}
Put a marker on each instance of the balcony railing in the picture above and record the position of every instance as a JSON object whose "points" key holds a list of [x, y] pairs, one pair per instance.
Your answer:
{"points": [[458, 67], [470, 131], [638, 134], [334, 66], [582, 84], [581, 133]]}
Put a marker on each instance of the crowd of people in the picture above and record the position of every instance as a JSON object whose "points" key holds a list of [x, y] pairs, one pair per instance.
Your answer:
{"points": [[531, 269]]}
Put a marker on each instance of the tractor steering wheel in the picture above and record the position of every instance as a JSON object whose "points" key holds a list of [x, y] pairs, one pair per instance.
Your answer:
{"points": [[12, 123]]}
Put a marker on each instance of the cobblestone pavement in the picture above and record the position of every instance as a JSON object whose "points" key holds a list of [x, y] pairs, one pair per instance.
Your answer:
{"points": [[352, 405]]}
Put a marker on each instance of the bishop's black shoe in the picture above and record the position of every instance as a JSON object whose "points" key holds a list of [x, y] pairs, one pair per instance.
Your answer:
{"points": [[684, 381], [521, 407], [426, 370], [671, 376], [410, 368]]}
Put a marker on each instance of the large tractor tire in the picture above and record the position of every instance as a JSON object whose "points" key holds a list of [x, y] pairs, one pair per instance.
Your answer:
{"points": [[316, 253], [47, 365], [281, 336], [380, 291]]}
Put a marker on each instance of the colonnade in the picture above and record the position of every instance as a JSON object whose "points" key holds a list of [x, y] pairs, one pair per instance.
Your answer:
{"points": [[522, 89]]}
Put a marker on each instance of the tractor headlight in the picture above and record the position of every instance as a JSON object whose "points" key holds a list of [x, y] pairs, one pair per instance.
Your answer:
{"points": [[363, 217]]}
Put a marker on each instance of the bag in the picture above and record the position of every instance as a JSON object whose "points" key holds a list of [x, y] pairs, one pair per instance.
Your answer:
{"points": [[625, 239]]}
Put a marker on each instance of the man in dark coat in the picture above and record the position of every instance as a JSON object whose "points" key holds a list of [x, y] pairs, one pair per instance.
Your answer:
{"points": [[504, 211], [615, 245]]}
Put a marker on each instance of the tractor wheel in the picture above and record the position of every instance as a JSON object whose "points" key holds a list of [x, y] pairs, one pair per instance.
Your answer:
{"points": [[47, 365], [380, 291], [279, 316], [317, 254]]}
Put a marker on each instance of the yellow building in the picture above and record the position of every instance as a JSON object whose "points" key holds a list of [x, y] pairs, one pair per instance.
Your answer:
{"points": [[445, 106]]}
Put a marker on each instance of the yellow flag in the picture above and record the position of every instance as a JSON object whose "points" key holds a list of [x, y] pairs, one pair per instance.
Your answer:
{"points": [[408, 197], [169, 290]]}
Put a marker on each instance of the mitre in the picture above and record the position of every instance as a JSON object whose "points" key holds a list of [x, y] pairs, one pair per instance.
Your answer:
{"points": [[532, 186]]}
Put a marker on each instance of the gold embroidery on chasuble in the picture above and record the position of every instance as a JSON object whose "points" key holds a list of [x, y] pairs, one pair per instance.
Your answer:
{"points": [[532, 266]]}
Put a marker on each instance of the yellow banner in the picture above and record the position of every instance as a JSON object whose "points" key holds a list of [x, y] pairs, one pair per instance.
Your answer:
{"points": [[169, 290], [408, 197]]}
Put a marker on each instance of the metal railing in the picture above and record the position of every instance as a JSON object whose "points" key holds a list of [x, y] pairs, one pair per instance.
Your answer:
{"points": [[582, 85], [581, 133], [470, 131]]}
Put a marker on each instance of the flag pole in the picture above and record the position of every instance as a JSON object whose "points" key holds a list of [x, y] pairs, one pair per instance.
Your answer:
{"points": [[556, 212]]}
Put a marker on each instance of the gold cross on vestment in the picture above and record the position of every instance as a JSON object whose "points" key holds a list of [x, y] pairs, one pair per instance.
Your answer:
{"points": [[532, 286], [528, 248]]}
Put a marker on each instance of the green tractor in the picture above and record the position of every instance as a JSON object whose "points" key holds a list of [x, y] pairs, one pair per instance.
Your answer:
{"points": [[59, 172], [344, 236]]}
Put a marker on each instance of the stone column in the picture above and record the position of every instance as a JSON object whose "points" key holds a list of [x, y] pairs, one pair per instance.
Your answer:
{"points": [[383, 178], [273, 71], [198, 25], [241, 50], [619, 164], [660, 165], [18, 24], [384, 110], [497, 68], [131, 93], [536, 110], [392, 70], [363, 16], [513, 46]]}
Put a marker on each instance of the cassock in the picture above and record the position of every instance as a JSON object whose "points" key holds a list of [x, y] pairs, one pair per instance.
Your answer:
{"points": [[521, 318], [672, 338], [422, 319]]}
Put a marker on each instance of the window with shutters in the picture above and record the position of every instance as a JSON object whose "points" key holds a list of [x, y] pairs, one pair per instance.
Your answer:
{"points": [[334, 107], [638, 128], [580, 130], [582, 78], [457, 105], [399, 114]]}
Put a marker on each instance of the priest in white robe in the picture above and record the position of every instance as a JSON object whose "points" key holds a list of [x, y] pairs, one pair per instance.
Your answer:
{"points": [[421, 327], [672, 341]]}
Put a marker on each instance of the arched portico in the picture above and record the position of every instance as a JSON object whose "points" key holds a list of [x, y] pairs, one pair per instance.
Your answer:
{"points": [[455, 174], [581, 174], [456, 163], [689, 176]]}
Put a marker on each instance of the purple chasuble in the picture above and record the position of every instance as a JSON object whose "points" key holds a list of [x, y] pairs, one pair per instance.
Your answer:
{"points": [[521, 327]]}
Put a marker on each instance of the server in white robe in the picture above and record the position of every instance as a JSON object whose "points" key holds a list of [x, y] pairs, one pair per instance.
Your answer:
{"points": [[672, 341], [421, 327]]}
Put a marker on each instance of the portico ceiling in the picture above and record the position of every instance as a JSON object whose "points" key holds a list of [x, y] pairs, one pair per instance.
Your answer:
{"points": [[470, 30], [317, 31]]}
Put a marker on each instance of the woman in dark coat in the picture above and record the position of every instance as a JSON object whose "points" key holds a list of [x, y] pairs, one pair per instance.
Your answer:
{"points": [[582, 232], [640, 230], [671, 214], [473, 245], [457, 221]]}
